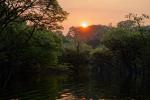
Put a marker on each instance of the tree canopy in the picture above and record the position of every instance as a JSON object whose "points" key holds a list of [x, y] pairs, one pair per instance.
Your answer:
{"points": [[40, 13]]}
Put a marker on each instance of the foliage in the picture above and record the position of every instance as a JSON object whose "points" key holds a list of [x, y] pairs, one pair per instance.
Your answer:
{"points": [[101, 56], [40, 13], [91, 35], [21, 54], [129, 48]]}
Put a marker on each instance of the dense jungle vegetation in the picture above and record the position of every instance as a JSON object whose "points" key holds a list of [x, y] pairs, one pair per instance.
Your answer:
{"points": [[31, 42]]}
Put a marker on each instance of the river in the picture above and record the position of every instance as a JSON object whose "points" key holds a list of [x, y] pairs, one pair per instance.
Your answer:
{"points": [[60, 87]]}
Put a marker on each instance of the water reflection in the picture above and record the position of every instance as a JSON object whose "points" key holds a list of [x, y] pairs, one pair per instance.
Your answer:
{"points": [[66, 95], [59, 87]]}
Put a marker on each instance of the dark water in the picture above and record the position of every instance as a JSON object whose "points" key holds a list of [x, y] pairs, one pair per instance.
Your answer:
{"points": [[61, 87]]}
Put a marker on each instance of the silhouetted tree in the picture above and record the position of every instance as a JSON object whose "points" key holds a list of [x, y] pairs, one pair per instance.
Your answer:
{"points": [[91, 35], [41, 13]]}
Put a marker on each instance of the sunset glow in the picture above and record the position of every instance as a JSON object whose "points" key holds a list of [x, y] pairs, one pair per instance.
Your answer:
{"points": [[84, 24], [101, 11]]}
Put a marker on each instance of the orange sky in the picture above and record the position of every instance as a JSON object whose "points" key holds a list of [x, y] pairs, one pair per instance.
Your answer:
{"points": [[101, 11]]}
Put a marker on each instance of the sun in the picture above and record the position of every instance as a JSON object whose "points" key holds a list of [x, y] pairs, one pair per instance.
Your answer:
{"points": [[84, 24]]}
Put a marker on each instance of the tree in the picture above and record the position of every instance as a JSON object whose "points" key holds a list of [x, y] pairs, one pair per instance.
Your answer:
{"points": [[75, 54], [91, 35], [127, 24], [20, 57], [45, 14], [102, 64], [138, 20], [27, 41], [126, 47], [39, 13]]}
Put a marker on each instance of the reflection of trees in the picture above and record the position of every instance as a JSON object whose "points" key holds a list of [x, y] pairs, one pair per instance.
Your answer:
{"points": [[46, 89]]}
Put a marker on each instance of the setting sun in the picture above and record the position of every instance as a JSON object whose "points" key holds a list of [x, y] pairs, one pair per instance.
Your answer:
{"points": [[84, 24]]}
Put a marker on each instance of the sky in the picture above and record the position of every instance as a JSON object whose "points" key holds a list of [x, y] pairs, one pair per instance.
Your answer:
{"points": [[101, 11]]}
